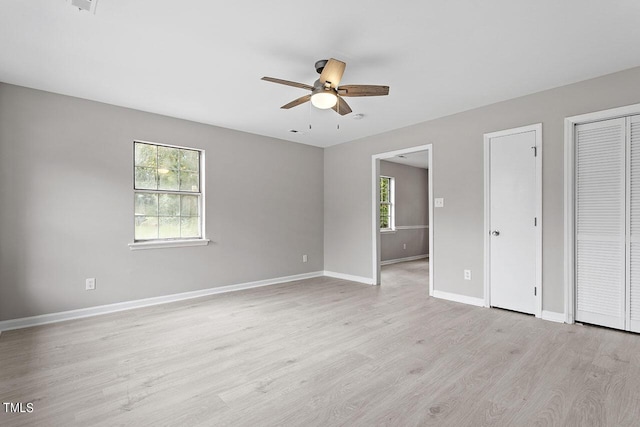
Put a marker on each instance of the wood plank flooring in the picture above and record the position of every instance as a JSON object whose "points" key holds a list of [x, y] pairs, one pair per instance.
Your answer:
{"points": [[321, 352]]}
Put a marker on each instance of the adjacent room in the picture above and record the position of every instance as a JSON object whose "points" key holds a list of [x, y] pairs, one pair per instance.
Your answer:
{"points": [[319, 214]]}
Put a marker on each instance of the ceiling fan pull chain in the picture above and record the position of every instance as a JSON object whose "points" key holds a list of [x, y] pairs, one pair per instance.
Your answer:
{"points": [[309, 116]]}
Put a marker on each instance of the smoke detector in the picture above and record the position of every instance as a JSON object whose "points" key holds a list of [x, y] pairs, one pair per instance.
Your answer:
{"points": [[88, 5]]}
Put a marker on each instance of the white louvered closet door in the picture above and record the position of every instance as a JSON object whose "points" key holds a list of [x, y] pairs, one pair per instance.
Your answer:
{"points": [[600, 223], [633, 240]]}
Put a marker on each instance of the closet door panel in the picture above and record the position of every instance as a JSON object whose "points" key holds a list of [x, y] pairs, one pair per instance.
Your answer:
{"points": [[600, 223], [633, 291]]}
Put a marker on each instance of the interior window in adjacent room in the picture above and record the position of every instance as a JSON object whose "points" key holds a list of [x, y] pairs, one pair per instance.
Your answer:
{"points": [[387, 220]]}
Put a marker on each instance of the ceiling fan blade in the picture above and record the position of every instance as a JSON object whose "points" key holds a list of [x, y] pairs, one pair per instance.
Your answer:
{"points": [[287, 83], [341, 107], [363, 90], [332, 72], [297, 102]]}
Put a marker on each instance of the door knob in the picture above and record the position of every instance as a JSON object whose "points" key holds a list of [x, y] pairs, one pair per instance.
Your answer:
{"points": [[495, 233]]}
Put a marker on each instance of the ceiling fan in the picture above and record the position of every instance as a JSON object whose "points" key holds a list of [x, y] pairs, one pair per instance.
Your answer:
{"points": [[325, 92]]}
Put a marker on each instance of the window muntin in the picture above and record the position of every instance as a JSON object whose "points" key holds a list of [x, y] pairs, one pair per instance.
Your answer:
{"points": [[386, 203], [167, 192]]}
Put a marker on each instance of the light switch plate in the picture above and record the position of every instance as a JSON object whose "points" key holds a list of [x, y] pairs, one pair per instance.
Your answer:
{"points": [[438, 202]]}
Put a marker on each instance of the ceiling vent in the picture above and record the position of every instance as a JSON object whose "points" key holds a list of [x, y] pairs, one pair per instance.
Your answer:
{"points": [[88, 5]]}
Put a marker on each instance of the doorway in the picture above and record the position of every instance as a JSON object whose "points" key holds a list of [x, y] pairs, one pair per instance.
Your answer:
{"points": [[376, 203], [513, 219]]}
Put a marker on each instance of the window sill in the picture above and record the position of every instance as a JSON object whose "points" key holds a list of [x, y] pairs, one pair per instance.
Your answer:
{"points": [[168, 244], [387, 231]]}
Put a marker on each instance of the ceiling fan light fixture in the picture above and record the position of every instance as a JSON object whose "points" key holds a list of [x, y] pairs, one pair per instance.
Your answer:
{"points": [[326, 92], [324, 100]]}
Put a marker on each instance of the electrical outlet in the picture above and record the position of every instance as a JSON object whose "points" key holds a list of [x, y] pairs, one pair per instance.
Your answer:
{"points": [[438, 202], [304, 258], [90, 284], [404, 246], [467, 275]]}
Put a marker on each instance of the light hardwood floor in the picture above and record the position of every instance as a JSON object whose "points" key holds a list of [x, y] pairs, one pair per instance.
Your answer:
{"points": [[321, 352]]}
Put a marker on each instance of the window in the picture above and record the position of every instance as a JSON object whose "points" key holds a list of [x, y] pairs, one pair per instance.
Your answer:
{"points": [[168, 197], [387, 220]]}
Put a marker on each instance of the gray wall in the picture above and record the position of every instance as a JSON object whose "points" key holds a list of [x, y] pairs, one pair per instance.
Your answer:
{"points": [[411, 209], [457, 175], [67, 206]]}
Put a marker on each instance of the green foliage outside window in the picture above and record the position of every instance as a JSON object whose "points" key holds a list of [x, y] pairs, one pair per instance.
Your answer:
{"points": [[385, 202], [169, 208]]}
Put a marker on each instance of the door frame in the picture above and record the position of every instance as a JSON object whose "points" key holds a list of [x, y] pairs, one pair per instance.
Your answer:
{"points": [[375, 217], [569, 197], [538, 203]]}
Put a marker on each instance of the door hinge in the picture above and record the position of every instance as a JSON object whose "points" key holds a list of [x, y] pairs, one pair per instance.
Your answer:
{"points": [[535, 291], [535, 151]]}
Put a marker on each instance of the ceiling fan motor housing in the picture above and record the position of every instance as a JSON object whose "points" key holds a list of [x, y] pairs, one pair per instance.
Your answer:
{"points": [[320, 88], [320, 65]]}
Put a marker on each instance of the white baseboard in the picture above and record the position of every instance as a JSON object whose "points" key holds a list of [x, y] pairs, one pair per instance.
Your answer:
{"points": [[409, 258], [553, 316], [43, 319], [459, 298], [359, 279]]}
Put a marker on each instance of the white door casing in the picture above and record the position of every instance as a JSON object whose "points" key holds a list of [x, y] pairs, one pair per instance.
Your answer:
{"points": [[513, 219], [375, 206]]}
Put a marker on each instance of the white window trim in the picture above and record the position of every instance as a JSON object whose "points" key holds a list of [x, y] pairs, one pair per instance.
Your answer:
{"points": [[392, 205], [177, 243]]}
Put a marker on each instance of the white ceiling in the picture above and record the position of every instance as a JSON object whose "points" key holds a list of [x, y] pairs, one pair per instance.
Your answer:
{"points": [[202, 60], [417, 159]]}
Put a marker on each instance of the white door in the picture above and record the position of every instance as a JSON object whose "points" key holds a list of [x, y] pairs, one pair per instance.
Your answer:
{"points": [[513, 222], [600, 223]]}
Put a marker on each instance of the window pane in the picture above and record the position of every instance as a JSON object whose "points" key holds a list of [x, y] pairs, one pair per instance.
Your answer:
{"points": [[189, 160], [189, 206], [146, 227], [168, 158], [169, 227], [190, 227], [385, 216], [384, 189], [145, 155], [189, 181], [146, 204], [145, 179], [169, 205], [168, 179]]}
